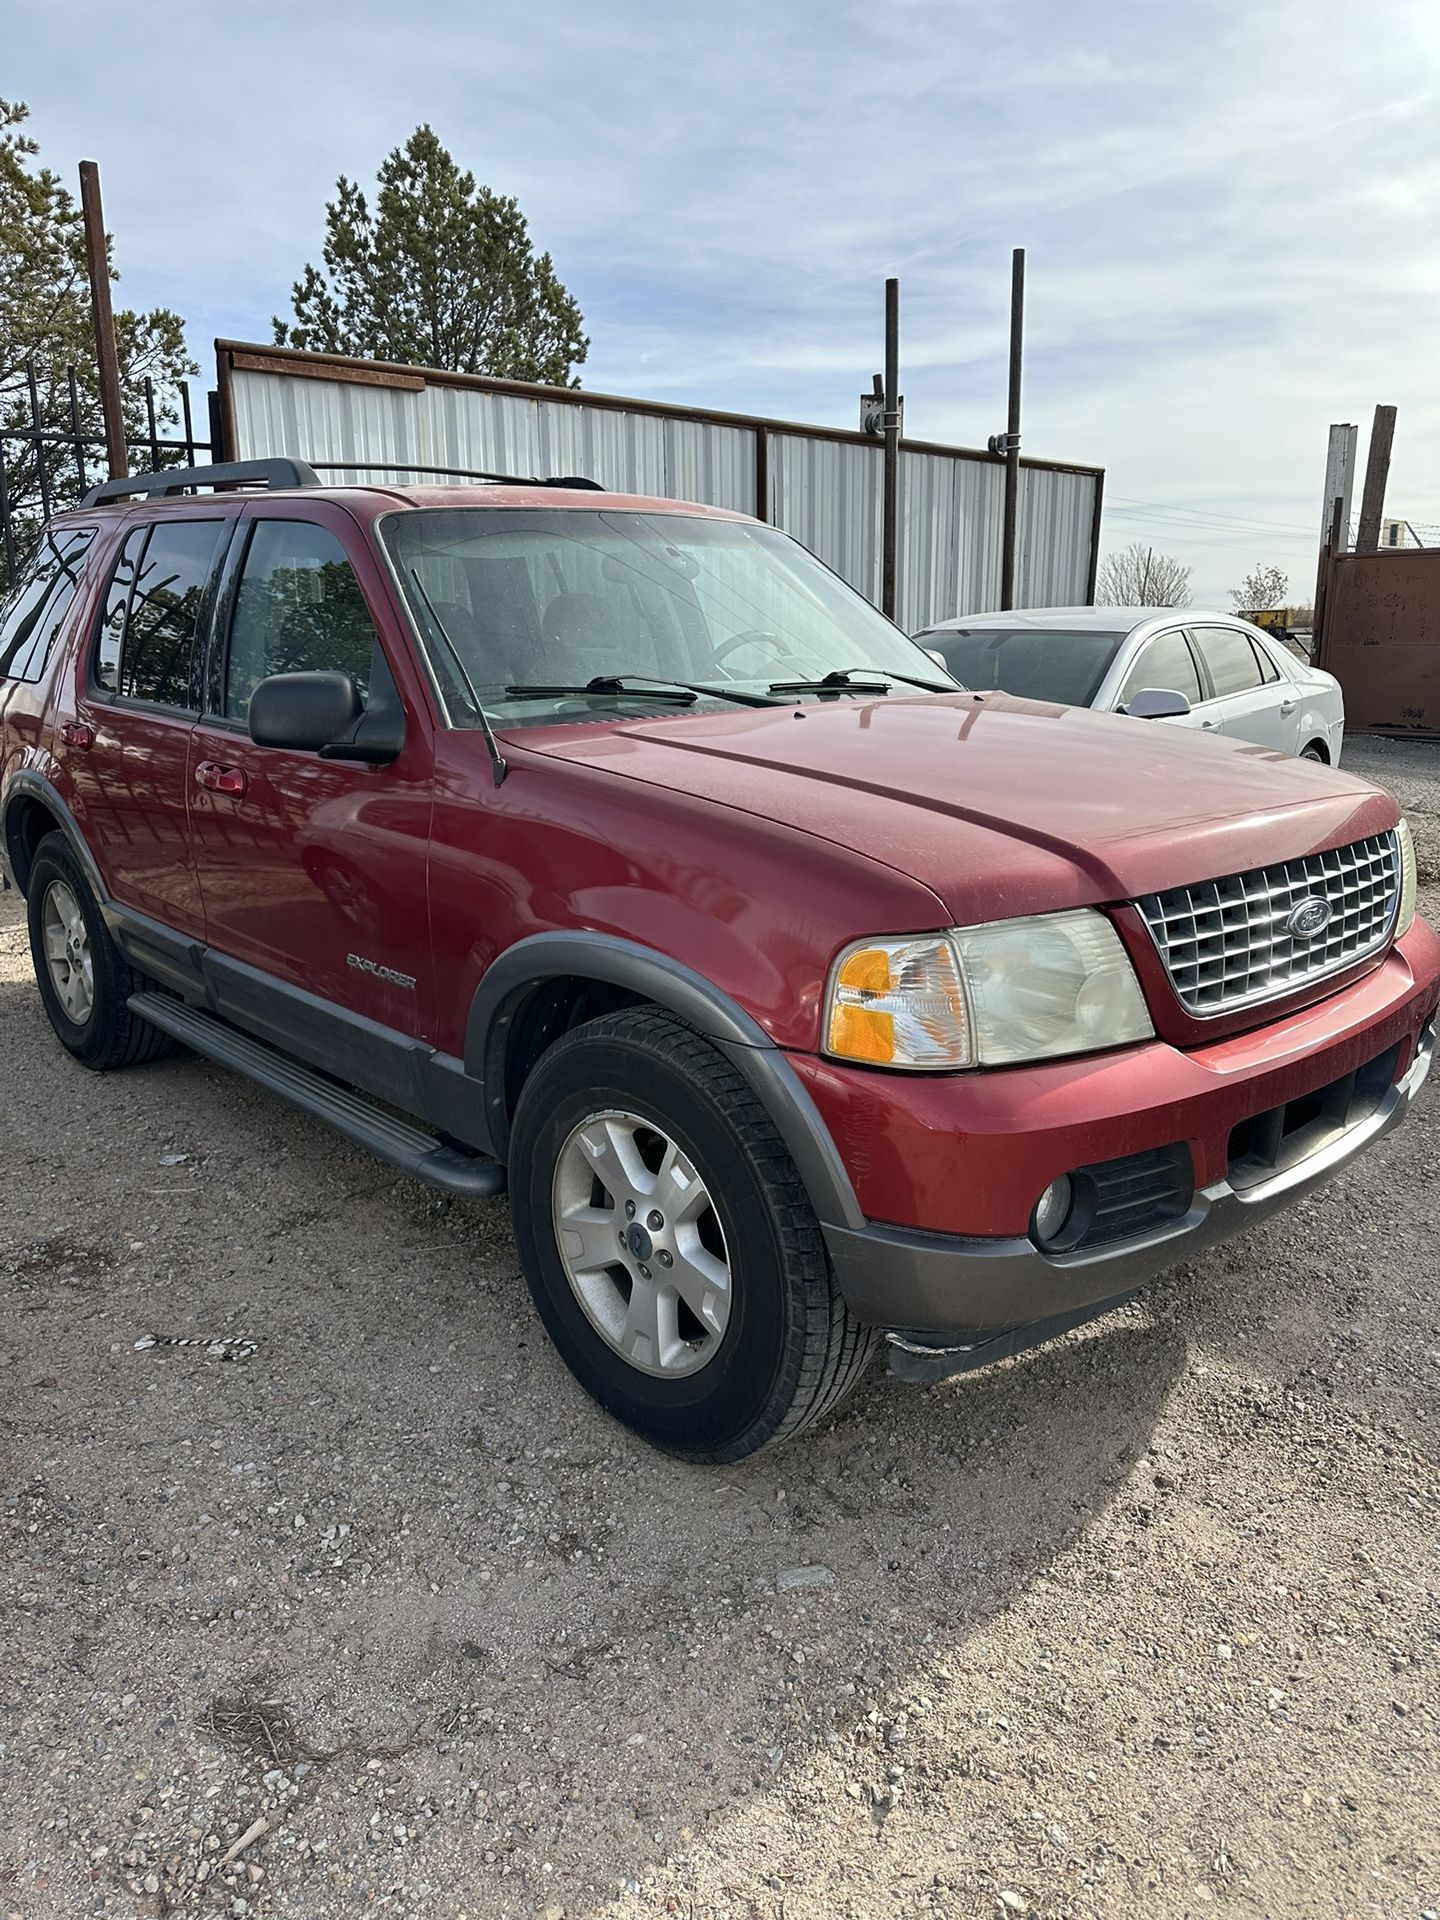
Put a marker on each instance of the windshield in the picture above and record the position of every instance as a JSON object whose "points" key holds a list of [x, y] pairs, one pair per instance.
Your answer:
{"points": [[551, 600], [1039, 663]]}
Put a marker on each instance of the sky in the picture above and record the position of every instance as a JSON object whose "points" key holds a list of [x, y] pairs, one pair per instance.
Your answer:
{"points": [[1231, 212]]}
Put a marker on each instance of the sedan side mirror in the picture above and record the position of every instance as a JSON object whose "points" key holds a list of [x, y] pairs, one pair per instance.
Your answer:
{"points": [[1156, 703], [303, 711]]}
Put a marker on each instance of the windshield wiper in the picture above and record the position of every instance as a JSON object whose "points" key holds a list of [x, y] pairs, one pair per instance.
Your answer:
{"points": [[839, 681], [682, 692], [606, 685]]}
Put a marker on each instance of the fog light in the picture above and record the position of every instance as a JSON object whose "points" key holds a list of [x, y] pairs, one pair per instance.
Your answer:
{"points": [[1052, 1210]]}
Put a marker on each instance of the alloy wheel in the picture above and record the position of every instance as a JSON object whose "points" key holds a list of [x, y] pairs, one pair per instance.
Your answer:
{"points": [[641, 1244], [67, 952]]}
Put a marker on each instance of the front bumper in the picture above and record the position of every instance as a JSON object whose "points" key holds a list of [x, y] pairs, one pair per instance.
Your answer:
{"points": [[966, 1298], [952, 1295]]}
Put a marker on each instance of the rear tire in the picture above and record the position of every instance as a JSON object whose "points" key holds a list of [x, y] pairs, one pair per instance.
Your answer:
{"points": [[85, 981], [741, 1337], [1315, 752]]}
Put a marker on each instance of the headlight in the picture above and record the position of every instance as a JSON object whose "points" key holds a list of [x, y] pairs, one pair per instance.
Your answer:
{"points": [[986, 996], [1405, 916]]}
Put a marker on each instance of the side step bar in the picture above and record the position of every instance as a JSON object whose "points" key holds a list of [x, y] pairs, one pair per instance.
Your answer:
{"points": [[393, 1140]]}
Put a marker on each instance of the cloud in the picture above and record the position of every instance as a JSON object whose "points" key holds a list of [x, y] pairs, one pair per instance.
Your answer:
{"points": [[1228, 209]]}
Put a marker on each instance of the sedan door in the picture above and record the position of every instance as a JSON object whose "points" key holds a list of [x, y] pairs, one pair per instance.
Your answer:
{"points": [[1247, 695], [1165, 663]]}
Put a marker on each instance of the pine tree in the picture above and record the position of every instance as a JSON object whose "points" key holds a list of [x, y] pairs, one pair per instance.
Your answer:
{"points": [[440, 274], [45, 318]]}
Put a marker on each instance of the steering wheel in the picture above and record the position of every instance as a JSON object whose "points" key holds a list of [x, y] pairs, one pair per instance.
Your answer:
{"points": [[756, 635]]}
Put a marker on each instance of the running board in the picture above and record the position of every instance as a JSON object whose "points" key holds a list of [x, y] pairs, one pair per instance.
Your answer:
{"points": [[393, 1140]]}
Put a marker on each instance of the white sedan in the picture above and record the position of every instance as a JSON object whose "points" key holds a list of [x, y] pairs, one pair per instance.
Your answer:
{"points": [[1219, 673]]}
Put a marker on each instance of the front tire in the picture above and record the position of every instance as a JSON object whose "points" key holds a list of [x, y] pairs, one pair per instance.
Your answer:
{"points": [[85, 981], [670, 1246]]}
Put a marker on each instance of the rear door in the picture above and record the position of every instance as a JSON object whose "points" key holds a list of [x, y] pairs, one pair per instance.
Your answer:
{"points": [[1247, 695], [136, 701], [313, 871]]}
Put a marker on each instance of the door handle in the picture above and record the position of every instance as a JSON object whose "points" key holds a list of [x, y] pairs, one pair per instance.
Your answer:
{"points": [[1209, 725], [1287, 707], [75, 733], [217, 779]]}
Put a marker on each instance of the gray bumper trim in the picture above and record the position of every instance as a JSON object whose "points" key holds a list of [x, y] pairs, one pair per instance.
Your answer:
{"points": [[948, 1292]]}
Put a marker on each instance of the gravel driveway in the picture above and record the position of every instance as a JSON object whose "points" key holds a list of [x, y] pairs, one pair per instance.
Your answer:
{"points": [[383, 1617]]}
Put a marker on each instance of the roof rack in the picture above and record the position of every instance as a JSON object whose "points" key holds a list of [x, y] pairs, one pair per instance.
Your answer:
{"points": [[233, 473], [573, 480]]}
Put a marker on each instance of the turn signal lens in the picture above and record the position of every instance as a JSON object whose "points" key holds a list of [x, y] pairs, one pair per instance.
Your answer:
{"points": [[1405, 914], [899, 1003], [986, 996]]}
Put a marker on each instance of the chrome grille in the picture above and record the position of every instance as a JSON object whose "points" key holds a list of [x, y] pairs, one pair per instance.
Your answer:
{"points": [[1225, 942]]}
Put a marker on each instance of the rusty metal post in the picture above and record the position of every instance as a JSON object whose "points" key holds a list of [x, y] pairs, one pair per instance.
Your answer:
{"points": [[1377, 471], [1012, 432], [97, 254], [890, 508], [1330, 552]]}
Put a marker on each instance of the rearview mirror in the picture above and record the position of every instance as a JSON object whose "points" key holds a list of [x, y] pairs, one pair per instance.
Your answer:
{"points": [[303, 711], [1156, 703]]}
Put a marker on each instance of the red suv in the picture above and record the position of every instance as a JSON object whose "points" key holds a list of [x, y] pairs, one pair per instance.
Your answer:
{"points": [[805, 998]]}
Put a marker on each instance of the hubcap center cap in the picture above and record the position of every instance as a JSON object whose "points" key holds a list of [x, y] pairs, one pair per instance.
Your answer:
{"points": [[639, 1241]]}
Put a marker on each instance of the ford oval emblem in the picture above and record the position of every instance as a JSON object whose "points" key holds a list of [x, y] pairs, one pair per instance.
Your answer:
{"points": [[1310, 917]]}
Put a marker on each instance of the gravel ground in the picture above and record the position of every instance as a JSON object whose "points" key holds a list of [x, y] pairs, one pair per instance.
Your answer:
{"points": [[384, 1617]]}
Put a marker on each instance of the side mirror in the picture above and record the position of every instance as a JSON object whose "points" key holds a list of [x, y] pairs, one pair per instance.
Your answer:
{"points": [[938, 658], [1157, 703], [303, 711]]}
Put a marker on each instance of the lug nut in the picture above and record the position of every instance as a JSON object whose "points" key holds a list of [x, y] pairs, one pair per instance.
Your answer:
{"points": [[644, 1273], [629, 1209], [664, 1257], [621, 1238], [656, 1221]]}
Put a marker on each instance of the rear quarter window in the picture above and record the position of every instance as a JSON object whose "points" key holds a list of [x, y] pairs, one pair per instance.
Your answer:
{"points": [[31, 619]]}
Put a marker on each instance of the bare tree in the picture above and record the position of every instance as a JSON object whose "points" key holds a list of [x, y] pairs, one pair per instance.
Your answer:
{"points": [[1262, 587], [1141, 577]]}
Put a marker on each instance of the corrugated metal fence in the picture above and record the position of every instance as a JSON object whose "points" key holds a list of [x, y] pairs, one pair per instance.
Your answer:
{"points": [[821, 484]]}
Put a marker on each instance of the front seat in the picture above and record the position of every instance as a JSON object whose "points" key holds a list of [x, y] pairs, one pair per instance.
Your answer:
{"points": [[582, 638]]}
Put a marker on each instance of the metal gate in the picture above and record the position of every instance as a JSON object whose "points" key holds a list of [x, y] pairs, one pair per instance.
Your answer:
{"points": [[50, 456]]}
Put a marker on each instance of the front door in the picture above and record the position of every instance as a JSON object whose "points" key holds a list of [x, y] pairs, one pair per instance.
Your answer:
{"points": [[137, 694], [313, 870]]}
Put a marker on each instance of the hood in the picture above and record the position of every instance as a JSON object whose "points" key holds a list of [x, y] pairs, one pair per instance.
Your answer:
{"points": [[999, 805]]}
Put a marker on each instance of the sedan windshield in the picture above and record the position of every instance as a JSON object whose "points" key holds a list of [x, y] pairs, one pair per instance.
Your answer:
{"points": [[541, 615], [1039, 663]]}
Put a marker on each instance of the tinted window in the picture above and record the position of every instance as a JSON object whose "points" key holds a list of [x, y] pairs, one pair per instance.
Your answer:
{"points": [[1166, 664], [298, 609], [117, 601], [37, 609], [156, 657], [1230, 658], [1040, 663]]}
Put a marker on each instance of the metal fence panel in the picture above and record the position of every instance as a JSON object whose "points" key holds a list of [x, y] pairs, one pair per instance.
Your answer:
{"points": [[827, 493], [633, 452], [1056, 527], [824, 489]]}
